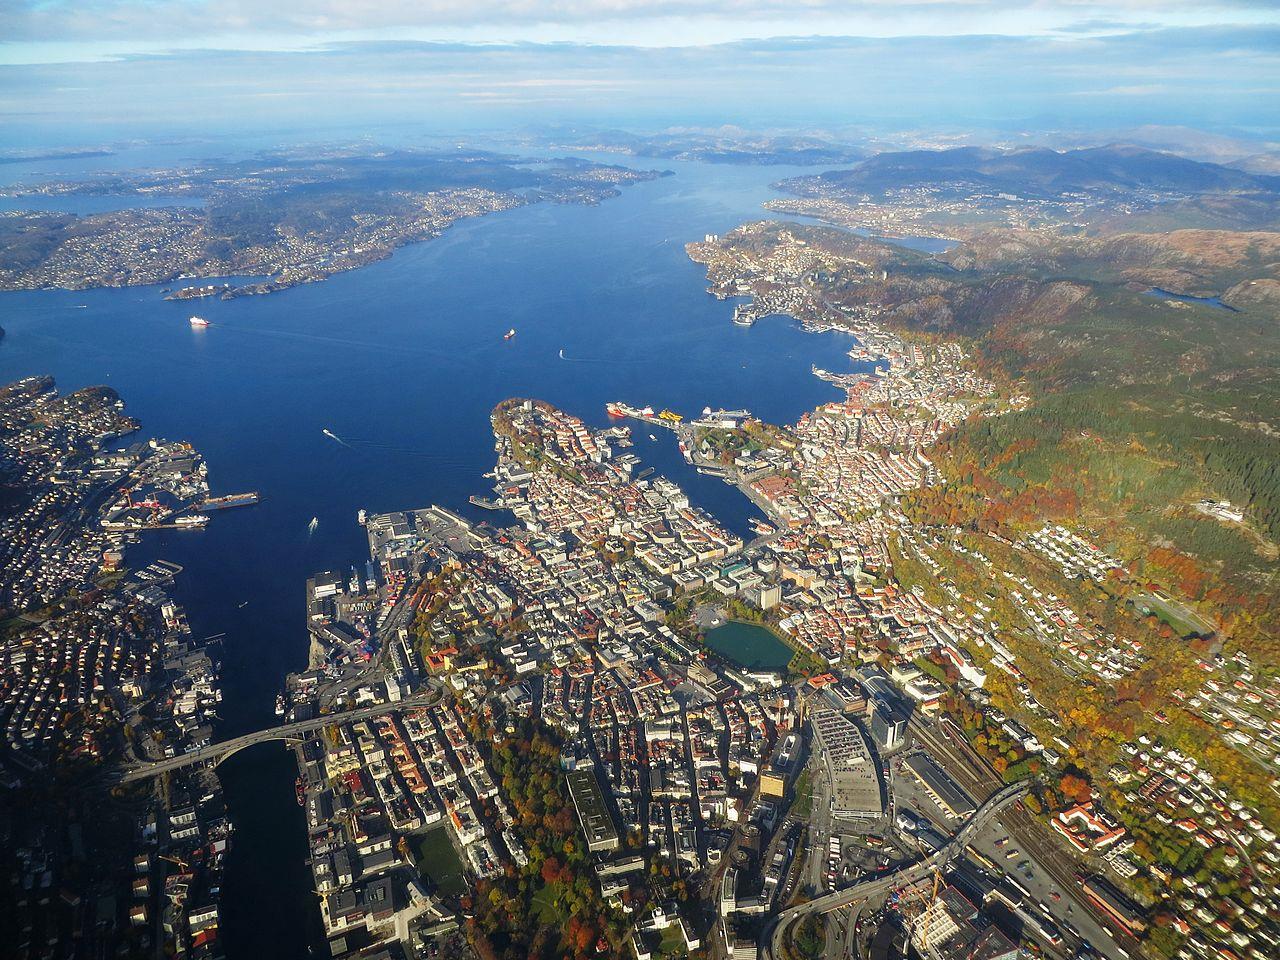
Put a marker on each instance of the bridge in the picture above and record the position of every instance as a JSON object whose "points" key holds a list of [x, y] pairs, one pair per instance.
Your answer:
{"points": [[771, 943], [217, 752]]}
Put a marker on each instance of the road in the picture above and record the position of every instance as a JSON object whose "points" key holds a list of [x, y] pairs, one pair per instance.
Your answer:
{"points": [[772, 942], [286, 731], [1038, 843]]}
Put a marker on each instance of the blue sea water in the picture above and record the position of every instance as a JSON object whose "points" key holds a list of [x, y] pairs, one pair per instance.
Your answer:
{"points": [[404, 360]]}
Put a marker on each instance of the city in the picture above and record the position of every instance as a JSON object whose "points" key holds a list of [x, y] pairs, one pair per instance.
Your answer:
{"points": [[639, 481]]}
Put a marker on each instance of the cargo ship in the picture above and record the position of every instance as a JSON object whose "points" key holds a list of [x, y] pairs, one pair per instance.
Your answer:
{"points": [[198, 322], [230, 500]]}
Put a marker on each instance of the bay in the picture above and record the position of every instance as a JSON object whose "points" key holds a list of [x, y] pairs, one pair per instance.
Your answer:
{"points": [[404, 361]]}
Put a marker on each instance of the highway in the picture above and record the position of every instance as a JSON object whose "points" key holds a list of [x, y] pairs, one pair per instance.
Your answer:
{"points": [[1039, 844], [286, 731], [772, 942]]}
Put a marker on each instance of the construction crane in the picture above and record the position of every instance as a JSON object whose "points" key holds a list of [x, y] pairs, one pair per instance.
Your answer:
{"points": [[920, 925]]}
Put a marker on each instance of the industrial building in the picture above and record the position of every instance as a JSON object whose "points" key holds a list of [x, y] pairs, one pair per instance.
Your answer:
{"points": [[941, 789]]}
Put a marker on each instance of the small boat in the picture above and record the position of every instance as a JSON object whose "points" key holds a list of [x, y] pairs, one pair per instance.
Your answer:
{"points": [[311, 527], [509, 334], [279, 704], [243, 605], [652, 437], [198, 322]]}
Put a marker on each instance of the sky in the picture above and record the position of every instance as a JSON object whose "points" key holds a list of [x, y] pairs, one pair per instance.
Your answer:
{"points": [[83, 69]]}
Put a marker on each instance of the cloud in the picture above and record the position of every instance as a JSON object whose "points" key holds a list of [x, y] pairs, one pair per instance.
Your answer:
{"points": [[1207, 76], [291, 22]]}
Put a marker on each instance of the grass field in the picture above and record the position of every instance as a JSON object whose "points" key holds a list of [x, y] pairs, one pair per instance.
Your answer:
{"points": [[439, 863]]}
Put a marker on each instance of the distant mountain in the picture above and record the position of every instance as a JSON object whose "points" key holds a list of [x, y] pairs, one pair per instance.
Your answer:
{"points": [[1265, 164], [728, 146], [1039, 171]]}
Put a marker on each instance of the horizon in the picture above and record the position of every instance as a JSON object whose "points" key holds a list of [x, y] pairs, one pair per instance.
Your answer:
{"points": [[941, 66]]}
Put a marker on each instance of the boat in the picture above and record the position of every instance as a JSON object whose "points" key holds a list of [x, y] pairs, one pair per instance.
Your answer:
{"points": [[198, 322], [652, 437], [300, 792], [279, 704], [562, 353], [615, 410], [191, 521], [230, 500], [311, 527], [509, 334]]}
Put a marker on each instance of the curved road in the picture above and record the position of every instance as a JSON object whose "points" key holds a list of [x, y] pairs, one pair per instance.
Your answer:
{"points": [[771, 948], [220, 751]]}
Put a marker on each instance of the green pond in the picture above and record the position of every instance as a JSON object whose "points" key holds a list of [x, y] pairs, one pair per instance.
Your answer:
{"points": [[751, 646]]}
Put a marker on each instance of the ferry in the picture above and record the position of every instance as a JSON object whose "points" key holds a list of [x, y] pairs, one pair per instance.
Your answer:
{"points": [[509, 334], [198, 322], [626, 410], [192, 521]]}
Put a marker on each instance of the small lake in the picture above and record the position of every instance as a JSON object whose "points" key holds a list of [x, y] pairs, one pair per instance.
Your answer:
{"points": [[1187, 298], [752, 646]]}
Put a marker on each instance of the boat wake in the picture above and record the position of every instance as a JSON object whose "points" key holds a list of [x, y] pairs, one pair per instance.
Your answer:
{"points": [[333, 436], [599, 359], [364, 444]]}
